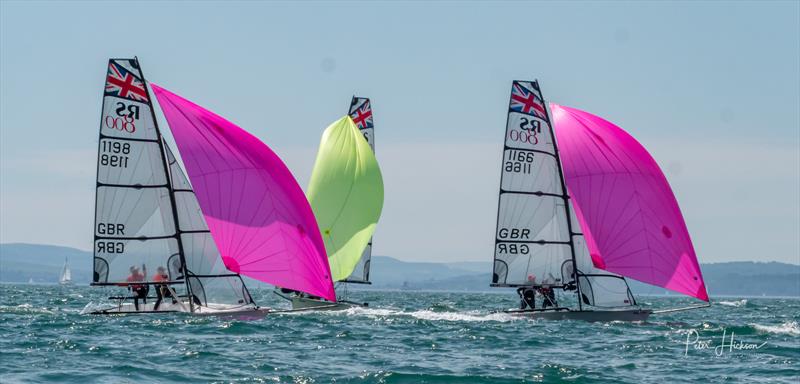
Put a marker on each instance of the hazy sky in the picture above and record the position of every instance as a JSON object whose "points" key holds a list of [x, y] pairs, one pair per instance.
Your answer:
{"points": [[711, 89]]}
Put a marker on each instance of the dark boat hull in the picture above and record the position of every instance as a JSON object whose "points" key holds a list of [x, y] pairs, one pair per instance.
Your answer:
{"points": [[591, 316], [305, 303]]}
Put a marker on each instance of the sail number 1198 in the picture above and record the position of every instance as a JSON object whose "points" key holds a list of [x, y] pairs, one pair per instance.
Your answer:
{"points": [[114, 154]]}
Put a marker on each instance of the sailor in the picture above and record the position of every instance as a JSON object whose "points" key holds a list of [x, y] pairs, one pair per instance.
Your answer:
{"points": [[162, 290], [547, 292], [139, 290], [527, 295], [292, 292]]}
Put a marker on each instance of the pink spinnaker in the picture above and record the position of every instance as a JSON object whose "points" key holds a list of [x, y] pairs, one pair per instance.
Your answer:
{"points": [[258, 215], [627, 211]]}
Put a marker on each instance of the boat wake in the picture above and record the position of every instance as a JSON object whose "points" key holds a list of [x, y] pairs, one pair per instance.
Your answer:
{"points": [[787, 328], [428, 315], [736, 303]]}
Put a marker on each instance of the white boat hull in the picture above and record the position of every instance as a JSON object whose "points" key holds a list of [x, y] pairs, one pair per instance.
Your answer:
{"points": [[592, 316], [168, 307]]}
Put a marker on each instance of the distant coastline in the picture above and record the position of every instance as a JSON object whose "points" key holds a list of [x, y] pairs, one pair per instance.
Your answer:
{"points": [[21, 263]]}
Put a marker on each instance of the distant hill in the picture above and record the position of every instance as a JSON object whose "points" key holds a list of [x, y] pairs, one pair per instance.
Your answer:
{"points": [[42, 263]]}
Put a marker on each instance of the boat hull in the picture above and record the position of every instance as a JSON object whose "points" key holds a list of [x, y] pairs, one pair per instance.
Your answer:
{"points": [[237, 311], [591, 316]]}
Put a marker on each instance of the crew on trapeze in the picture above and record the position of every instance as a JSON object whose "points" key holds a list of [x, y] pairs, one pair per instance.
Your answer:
{"points": [[139, 290], [162, 290], [527, 294]]}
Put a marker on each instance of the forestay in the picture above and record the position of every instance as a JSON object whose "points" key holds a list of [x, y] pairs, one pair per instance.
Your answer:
{"points": [[361, 113], [532, 239], [134, 221]]}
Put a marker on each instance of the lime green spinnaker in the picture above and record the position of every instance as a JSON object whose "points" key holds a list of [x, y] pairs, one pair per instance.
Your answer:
{"points": [[346, 194]]}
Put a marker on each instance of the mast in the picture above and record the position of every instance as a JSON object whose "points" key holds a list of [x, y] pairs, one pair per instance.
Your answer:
{"points": [[174, 210], [565, 197]]}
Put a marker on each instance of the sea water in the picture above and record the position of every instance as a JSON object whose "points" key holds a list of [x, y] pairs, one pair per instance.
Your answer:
{"points": [[402, 337]]}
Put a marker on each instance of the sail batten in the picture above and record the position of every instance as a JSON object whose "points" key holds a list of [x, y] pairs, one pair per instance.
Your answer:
{"points": [[630, 217], [257, 215]]}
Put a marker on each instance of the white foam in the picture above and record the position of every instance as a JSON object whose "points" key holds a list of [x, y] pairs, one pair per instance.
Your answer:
{"points": [[737, 303], [24, 308], [469, 316], [789, 328]]}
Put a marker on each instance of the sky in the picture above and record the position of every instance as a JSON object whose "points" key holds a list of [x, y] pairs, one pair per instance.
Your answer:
{"points": [[712, 89]]}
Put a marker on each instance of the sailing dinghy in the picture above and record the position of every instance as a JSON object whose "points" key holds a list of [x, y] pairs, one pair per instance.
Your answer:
{"points": [[346, 194], [579, 214], [186, 242]]}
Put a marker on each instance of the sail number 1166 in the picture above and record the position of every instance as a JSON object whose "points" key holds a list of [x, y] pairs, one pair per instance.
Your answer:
{"points": [[518, 161]]}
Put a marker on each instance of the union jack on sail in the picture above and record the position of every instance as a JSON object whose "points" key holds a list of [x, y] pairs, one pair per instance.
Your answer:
{"points": [[527, 100], [122, 83], [362, 115]]}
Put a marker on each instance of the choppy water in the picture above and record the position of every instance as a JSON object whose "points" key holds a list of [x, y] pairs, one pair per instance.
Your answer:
{"points": [[405, 337]]}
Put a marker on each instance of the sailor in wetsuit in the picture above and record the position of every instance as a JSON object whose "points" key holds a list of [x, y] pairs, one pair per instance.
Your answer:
{"points": [[162, 290], [549, 297], [527, 297], [139, 290], [547, 292]]}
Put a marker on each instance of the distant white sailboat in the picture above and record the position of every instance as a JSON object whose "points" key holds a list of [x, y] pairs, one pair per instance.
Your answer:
{"points": [[66, 274]]}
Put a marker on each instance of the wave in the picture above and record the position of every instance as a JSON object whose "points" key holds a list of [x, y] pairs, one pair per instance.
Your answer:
{"points": [[24, 308], [736, 303], [787, 328], [469, 316]]}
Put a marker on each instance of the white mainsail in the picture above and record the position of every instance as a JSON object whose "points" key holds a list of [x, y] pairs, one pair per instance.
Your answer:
{"points": [[532, 239], [134, 220]]}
